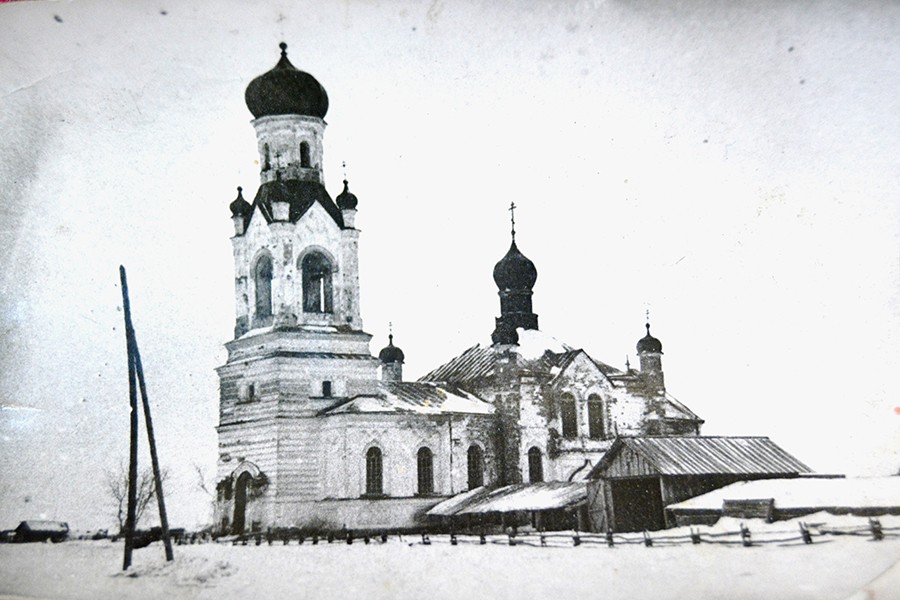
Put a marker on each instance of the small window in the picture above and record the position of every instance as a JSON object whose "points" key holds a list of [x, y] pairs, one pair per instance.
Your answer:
{"points": [[568, 414], [596, 429], [476, 467], [266, 160], [304, 155], [251, 392], [535, 466], [326, 389], [373, 472], [425, 460]]}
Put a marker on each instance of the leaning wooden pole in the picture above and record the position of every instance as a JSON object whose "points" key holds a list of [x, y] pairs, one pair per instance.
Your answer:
{"points": [[132, 462], [160, 498]]}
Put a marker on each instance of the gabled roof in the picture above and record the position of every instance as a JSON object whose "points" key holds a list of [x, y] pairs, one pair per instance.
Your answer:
{"points": [[695, 455], [414, 398], [547, 495], [676, 410], [300, 194]]}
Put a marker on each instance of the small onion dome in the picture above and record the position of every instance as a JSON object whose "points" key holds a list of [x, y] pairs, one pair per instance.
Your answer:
{"points": [[240, 207], [648, 343], [391, 353], [285, 90], [346, 200], [515, 271]]}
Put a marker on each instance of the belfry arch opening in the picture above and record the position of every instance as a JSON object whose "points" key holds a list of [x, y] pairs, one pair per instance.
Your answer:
{"points": [[318, 293]]}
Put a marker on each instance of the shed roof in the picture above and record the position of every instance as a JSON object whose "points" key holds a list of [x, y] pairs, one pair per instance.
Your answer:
{"points": [[804, 493], [546, 495], [37, 525], [695, 455]]}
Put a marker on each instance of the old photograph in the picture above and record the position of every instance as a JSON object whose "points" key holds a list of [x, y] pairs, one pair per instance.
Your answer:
{"points": [[406, 299]]}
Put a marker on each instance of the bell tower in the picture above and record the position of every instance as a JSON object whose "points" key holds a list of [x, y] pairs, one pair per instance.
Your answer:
{"points": [[298, 347]]}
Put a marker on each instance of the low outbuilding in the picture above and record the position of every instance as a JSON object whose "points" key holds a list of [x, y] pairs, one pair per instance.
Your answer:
{"points": [[630, 486], [781, 499], [41, 531]]}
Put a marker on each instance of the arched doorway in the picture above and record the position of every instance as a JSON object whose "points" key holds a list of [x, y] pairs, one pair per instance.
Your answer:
{"points": [[240, 503]]}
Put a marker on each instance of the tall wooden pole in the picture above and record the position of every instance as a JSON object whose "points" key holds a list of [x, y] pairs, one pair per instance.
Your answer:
{"points": [[160, 500], [132, 462]]}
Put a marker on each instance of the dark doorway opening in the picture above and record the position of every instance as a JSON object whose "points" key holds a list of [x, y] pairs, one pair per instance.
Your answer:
{"points": [[637, 504], [240, 503]]}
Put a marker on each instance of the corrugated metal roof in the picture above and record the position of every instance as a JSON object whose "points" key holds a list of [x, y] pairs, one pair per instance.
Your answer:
{"points": [[475, 363], [415, 397], [547, 495], [690, 455]]}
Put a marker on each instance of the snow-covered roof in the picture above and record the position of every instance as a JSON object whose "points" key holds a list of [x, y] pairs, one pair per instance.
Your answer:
{"points": [[417, 398], [44, 526], [804, 493], [547, 495]]}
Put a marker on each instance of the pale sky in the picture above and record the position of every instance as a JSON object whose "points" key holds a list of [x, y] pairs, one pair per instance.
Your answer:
{"points": [[731, 168]]}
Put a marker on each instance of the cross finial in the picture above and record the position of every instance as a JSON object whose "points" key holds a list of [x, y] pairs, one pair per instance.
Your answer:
{"points": [[344, 165], [512, 219], [627, 364], [390, 333]]}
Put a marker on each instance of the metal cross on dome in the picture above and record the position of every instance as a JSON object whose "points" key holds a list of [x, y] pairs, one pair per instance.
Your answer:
{"points": [[512, 218]]}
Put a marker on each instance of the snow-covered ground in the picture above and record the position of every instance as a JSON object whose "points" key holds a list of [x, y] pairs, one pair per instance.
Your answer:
{"points": [[835, 567]]}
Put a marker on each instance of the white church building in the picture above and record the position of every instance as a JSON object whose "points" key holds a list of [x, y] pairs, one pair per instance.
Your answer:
{"points": [[315, 431]]}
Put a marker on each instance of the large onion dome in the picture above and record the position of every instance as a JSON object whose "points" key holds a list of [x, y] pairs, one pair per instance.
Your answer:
{"points": [[648, 343], [515, 271], [285, 90]]}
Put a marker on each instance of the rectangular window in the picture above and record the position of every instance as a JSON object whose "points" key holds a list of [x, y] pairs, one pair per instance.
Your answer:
{"points": [[326, 389]]}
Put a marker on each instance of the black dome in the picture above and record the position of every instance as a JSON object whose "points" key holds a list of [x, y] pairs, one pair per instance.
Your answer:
{"points": [[346, 200], [285, 90], [240, 207], [648, 343], [391, 353], [515, 271]]}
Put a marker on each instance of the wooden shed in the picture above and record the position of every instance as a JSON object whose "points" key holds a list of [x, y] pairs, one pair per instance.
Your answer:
{"points": [[638, 477], [41, 531]]}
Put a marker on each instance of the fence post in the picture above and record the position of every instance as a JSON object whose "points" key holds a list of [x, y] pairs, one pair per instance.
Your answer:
{"points": [[576, 540], [425, 539], [745, 536], [877, 531], [453, 541], [384, 537], [481, 539], [695, 536], [609, 538], [349, 537], [805, 534], [648, 541], [512, 539], [543, 538]]}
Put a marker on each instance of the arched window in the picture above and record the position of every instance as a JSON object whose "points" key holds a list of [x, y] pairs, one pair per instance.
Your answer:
{"points": [[304, 154], [425, 462], [568, 414], [535, 466], [262, 276], [476, 467], [266, 160], [596, 429], [373, 472], [317, 292]]}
